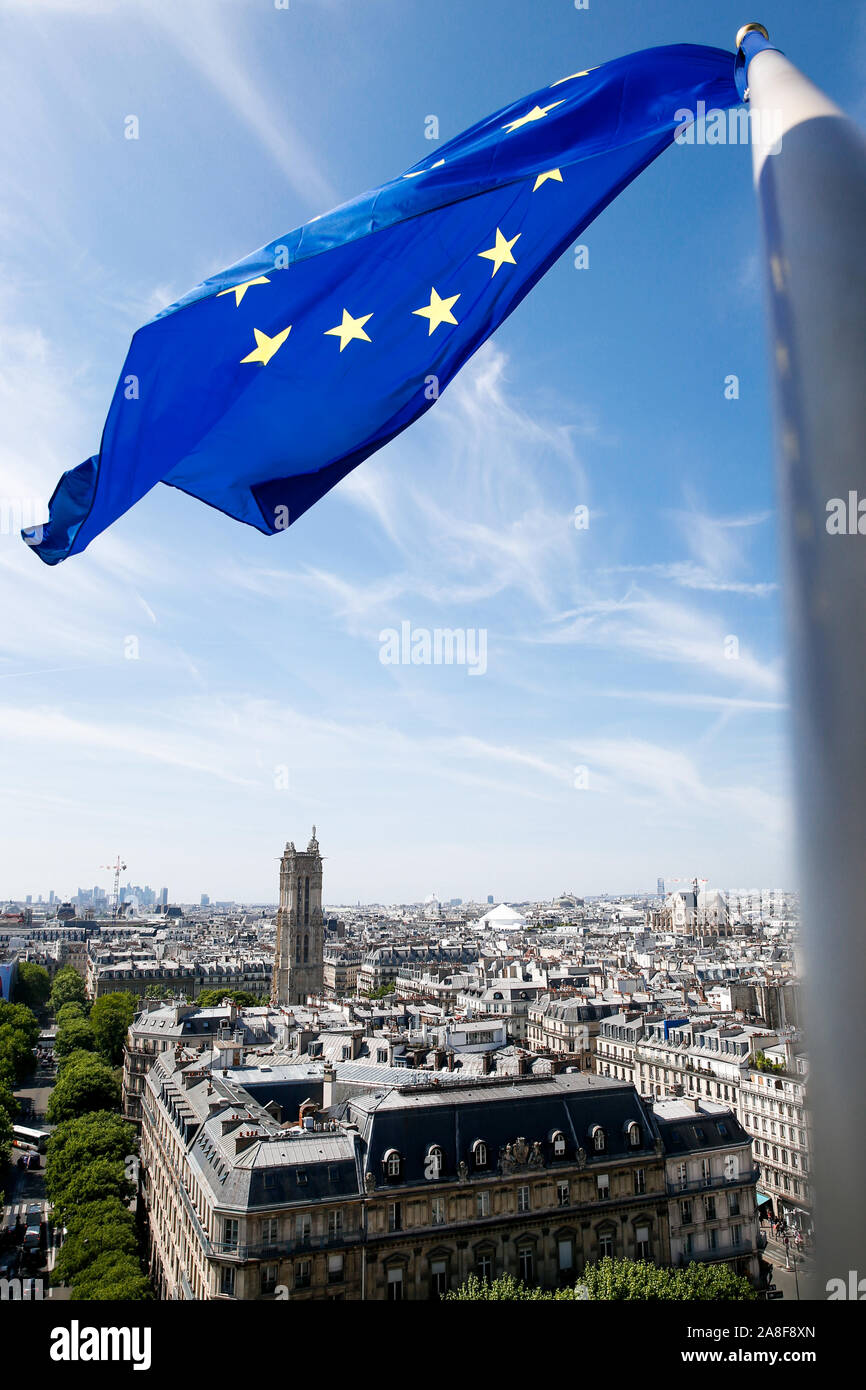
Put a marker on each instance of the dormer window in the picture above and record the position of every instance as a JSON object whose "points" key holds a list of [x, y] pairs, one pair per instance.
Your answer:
{"points": [[558, 1144], [634, 1134], [392, 1163], [599, 1139], [479, 1153], [434, 1162]]}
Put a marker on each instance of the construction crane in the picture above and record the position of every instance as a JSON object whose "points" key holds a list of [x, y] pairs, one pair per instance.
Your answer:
{"points": [[117, 869]]}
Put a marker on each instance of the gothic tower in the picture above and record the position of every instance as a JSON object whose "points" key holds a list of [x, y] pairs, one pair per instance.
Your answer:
{"points": [[300, 927]]}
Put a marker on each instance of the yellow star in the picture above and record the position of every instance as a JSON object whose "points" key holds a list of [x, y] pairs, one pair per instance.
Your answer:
{"points": [[572, 75], [240, 290], [536, 114], [500, 254], [438, 310], [265, 346], [549, 174], [350, 328]]}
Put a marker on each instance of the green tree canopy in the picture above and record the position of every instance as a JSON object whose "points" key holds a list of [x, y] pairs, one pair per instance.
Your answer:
{"points": [[103, 1177], [614, 1280], [101, 1213], [113, 1277], [66, 1012], [74, 1035], [19, 1033], [91, 1239], [33, 985], [68, 986], [86, 1083], [98, 1134], [110, 1018], [5, 1138], [212, 998]]}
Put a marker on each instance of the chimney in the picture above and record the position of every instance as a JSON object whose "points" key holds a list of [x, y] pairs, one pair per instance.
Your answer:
{"points": [[329, 1079], [523, 1064], [449, 1058], [485, 1064]]}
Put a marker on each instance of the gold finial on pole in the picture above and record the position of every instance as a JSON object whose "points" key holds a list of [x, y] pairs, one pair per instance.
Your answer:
{"points": [[751, 29]]}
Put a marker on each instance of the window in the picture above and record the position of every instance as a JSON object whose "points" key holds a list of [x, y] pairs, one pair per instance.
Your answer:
{"points": [[605, 1244], [335, 1269], [565, 1254], [270, 1230], [482, 1204], [559, 1144], [303, 1226], [433, 1166], [335, 1224], [439, 1277], [688, 1244], [303, 1270], [685, 1213], [712, 1238], [642, 1242], [523, 1199], [392, 1163], [437, 1212], [227, 1281], [736, 1235], [706, 1172], [603, 1186], [733, 1203], [484, 1264], [479, 1153], [381, 1054], [710, 1208], [395, 1216], [683, 1176], [269, 1278], [634, 1135], [230, 1231], [598, 1139], [525, 1263], [563, 1194], [639, 1181], [395, 1285]]}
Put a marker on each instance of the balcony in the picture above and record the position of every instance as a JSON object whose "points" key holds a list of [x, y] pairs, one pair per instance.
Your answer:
{"points": [[711, 1184], [228, 1250]]}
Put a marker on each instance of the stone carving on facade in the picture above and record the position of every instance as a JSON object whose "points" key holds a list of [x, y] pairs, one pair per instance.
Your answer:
{"points": [[536, 1158], [370, 1181], [521, 1151], [506, 1159], [581, 1158], [463, 1170]]}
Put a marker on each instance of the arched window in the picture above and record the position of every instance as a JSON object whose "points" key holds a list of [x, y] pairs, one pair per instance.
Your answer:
{"points": [[479, 1153], [434, 1163], [558, 1144], [298, 950], [306, 949], [599, 1141], [392, 1163], [634, 1134]]}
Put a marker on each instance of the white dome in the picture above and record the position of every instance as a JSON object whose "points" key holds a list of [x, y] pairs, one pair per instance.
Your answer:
{"points": [[503, 917]]}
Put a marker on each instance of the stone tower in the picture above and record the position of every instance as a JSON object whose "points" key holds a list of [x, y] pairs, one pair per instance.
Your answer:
{"points": [[300, 927]]}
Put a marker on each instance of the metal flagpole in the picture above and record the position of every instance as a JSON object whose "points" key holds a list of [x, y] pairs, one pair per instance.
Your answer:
{"points": [[809, 165]]}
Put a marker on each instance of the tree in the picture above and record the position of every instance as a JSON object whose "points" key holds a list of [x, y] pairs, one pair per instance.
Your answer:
{"points": [[5, 1138], [74, 1035], [112, 1277], [212, 998], [88, 1242], [33, 985], [86, 1083], [66, 1012], [614, 1280], [103, 1177], [110, 1017], [68, 986], [19, 1033], [75, 1143]]}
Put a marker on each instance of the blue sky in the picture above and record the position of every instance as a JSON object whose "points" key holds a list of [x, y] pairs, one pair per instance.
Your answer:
{"points": [[191, 693]]}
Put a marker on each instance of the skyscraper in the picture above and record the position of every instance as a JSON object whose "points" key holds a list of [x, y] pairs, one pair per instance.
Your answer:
{"points": [[298, 956], [163, 897]]}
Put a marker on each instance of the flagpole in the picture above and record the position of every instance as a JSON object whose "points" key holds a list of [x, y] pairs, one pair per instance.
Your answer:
{"points": [[811, 190]]}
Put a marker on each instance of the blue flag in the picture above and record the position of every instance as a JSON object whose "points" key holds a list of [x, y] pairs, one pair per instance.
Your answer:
{"points": [[266, 384]]}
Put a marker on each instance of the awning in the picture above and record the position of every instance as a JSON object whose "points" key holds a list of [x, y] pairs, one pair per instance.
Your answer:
{"points": [[762, 1198]]}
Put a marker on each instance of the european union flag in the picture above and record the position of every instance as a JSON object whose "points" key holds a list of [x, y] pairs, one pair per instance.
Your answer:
{"points": [[269, 382]]}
